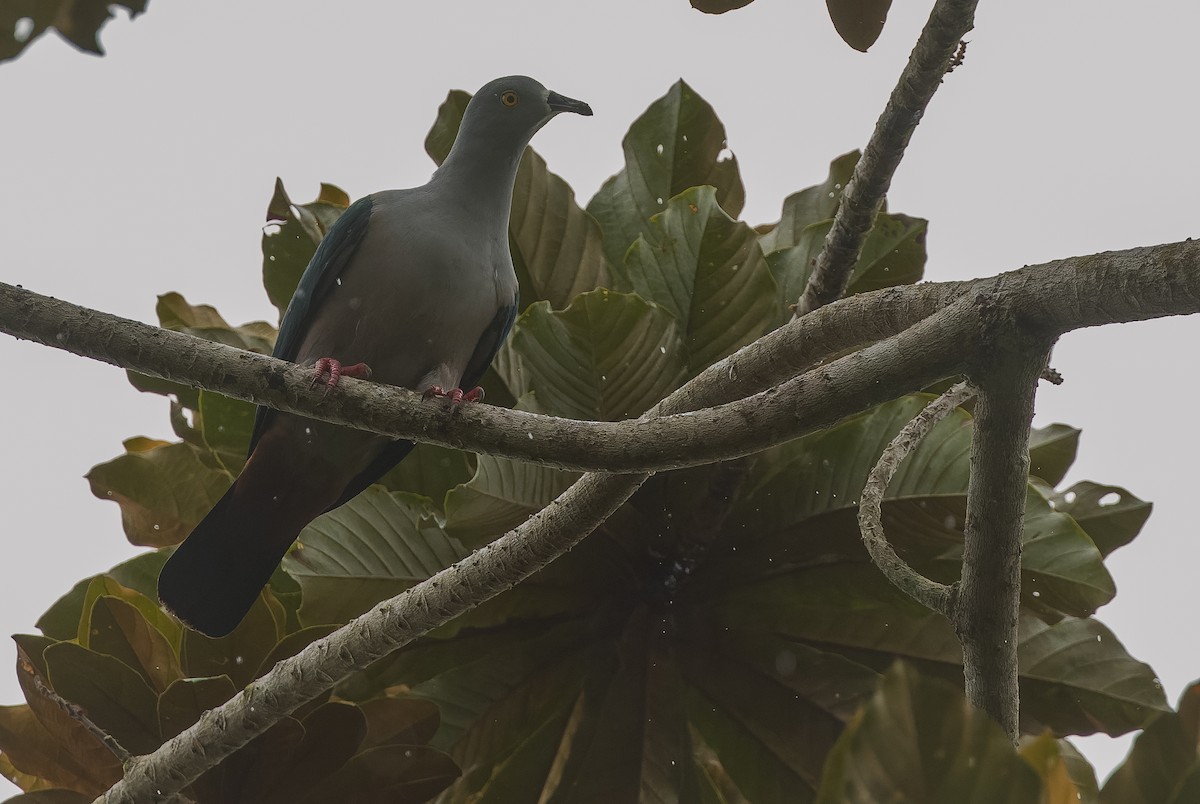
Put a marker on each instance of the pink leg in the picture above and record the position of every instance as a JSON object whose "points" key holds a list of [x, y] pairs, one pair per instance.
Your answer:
{"points": [[335, 371], [456, 396]]}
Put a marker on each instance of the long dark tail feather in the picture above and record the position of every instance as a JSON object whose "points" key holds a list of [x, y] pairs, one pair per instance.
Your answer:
{"points": [[214, 577]]}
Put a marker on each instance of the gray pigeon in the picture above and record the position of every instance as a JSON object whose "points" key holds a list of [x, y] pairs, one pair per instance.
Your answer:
{"points": [[413, 288]]}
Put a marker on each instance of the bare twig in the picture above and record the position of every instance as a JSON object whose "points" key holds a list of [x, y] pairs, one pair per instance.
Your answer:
{"points": [[931, 594], [927, 65]]}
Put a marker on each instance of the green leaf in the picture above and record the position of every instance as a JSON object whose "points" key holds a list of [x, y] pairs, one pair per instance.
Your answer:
{"points": [[292, 644], [430, 471], [893, 254], [225, 425], [400, 721], [67, 757], [119, 630], [1076, 678], [919, 741], [1058, 764], [373, 547], [291, 236], [203, 321], [859, 22], [114, 696], [182, 703], [1163, 766], [398, 774], [77, 21], [799, 509], [333, 733], [237, 655], [1052, 450], [440, 138], [707, 269], [557, 247], [61, 620], [1111, 515], [608, 356], [676, 144], [163, 489], [502, 494], [808, 206], [101, 586]]}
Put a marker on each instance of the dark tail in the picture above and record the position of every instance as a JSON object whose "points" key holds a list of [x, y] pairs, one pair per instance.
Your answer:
{"points": [[214, 577]]}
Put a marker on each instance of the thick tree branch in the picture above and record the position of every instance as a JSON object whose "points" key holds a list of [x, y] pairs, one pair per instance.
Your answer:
{"points": [[989, 592], [1056, 297], [928, 64], [931, 594]]}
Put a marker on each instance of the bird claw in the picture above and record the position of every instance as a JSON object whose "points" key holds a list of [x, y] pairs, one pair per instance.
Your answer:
{"points": [[456, 396], [329, 371]]}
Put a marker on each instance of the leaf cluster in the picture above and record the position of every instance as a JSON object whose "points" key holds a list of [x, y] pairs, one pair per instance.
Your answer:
{"points": [[724, 636]]}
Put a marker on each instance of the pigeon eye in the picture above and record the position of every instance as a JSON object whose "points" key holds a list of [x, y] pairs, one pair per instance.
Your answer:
{"points": [[509, 98]]}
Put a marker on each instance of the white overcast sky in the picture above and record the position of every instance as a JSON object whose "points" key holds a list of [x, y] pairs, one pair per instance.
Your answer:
{"points": [[1070, 130]]}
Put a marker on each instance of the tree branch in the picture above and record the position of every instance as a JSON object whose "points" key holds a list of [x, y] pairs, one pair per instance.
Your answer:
{"points": [[1056, 297], [928, 64], [989, 592], [931, 594]]}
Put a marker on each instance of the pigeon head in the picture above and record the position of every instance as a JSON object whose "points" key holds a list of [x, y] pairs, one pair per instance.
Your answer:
{"points": [[507, 112]]}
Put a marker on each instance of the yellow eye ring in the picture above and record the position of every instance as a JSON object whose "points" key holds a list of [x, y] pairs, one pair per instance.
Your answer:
{"points": [[509, 98]]}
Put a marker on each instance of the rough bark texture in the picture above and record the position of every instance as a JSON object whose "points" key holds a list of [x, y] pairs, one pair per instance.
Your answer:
{"points": [[931, 594], [927, 66], [989, 592], [1056, 297]]}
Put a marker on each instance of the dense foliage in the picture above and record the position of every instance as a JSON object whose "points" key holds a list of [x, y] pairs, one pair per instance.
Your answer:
{"points": [[722, 638]]}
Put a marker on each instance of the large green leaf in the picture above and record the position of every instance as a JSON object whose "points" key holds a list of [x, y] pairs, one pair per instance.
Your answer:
{"points": [[291, 236], [708, 271], [238, 654], [1111, 515], [114, 696], [1163, 766], [119, 630], [1067, 778], [373, 547], [808, 206], [608, 356], [893, 254], [430, 471], [502, 494], [918, 741], [182, 703], [676, 144], [140, 574], [799, 509], [73, 760], [1076, 678], [1052, 450], [163, 489]]}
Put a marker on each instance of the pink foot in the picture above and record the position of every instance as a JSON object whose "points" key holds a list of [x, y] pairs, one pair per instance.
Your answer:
{"points": [[457, 396], [328, 371]]}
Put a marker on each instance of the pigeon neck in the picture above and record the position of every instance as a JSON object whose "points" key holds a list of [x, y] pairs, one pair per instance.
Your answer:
{"points": [[481, 174]]}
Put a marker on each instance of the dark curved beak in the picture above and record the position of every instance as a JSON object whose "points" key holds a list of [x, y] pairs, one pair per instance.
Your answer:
{"points": [[561, 103]]}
